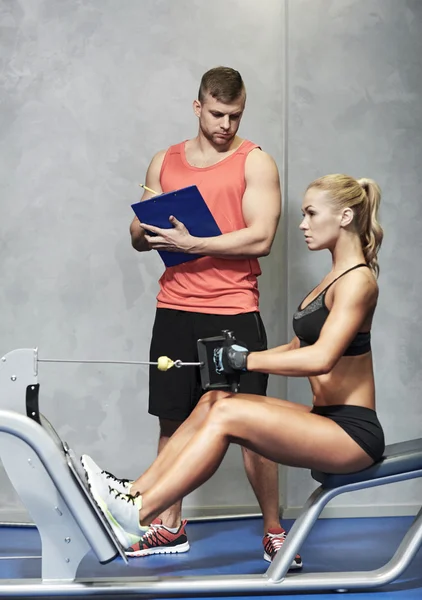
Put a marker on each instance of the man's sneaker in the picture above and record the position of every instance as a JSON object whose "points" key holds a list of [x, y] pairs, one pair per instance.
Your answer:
{"points": [[101, 481], [159, 540], [272, 542], [122, 512]]}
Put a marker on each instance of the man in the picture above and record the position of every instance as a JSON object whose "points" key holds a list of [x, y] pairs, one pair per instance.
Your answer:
{"points": [[240, 184]]}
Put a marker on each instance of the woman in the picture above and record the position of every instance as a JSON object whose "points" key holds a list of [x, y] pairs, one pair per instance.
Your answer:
{"points": [[340, 433]]}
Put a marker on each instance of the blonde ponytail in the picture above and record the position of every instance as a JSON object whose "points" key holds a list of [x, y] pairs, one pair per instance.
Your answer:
{"points": [[371, 233]]}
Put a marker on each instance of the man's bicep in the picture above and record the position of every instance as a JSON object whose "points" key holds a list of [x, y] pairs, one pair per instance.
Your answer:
{"points": [[262, 198], [152, 178]]}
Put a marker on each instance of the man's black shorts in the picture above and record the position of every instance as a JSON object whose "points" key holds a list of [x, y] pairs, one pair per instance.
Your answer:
{"points": [[173, 394]]}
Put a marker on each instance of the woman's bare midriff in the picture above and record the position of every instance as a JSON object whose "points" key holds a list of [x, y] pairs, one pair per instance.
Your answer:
{"points": [[350, 382]]}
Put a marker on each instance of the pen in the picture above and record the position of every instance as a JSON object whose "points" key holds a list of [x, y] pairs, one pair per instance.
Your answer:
{"points": [[148, 189]]}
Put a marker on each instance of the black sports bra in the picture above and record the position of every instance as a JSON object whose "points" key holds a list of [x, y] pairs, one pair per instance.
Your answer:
{"points": [[308, 322]]}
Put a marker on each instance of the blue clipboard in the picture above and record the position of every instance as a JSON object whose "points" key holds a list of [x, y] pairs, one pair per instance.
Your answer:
{"points": [[189, 207]]}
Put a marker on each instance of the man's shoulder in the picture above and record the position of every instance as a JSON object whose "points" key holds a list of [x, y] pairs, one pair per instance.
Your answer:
{"points": [[260, 166], [258, 157], [174, 148], [157, 159]]}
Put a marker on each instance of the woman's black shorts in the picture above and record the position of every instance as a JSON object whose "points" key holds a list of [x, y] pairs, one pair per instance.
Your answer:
{"points": [[360, 423]]}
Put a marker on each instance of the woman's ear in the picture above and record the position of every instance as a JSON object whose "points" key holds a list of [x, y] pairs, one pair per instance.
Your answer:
{"points": [[347, 217]]}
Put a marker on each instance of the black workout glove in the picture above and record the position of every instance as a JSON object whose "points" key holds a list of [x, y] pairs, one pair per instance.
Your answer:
{"points": [[230, 358]]}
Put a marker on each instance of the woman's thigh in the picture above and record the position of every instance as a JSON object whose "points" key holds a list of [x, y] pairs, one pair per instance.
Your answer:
{"points": [[289, 435], [211, 397]]}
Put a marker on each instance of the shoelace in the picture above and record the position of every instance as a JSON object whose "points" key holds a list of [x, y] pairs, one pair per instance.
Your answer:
{"points": [[276, 540], [152, 530], [153, 536], [113, 477], [127, 497]]}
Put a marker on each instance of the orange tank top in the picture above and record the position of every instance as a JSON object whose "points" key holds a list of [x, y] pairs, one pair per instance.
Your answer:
{"points": [[209, 284]]}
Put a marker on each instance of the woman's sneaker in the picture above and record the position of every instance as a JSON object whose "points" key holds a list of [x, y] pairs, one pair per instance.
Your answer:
{"points": [[101, 481], [160, 540], [122, 512], [272, 542]]}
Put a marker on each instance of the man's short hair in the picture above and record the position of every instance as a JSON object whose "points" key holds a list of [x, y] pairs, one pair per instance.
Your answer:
{"points": [[223, 84]]}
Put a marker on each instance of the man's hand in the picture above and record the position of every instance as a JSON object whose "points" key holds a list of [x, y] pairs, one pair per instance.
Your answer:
{"points": [[175, 239], [230, 358]]}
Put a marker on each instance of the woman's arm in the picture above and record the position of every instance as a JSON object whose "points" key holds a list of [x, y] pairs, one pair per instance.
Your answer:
{"points": [[355, 298], [292, 345]]}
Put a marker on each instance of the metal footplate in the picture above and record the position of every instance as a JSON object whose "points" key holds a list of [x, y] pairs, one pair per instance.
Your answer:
{"points": [[44, 475]]}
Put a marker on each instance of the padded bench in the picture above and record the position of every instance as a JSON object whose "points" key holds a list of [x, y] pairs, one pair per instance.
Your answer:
{"points": [[400, 462], [403, 457]]}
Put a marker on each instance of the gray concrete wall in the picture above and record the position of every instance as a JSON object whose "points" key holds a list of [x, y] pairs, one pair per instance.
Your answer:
{"points": [[89, 92]]}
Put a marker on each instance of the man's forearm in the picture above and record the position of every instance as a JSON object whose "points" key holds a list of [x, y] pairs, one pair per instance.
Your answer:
{"points": [[244, 243]]}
